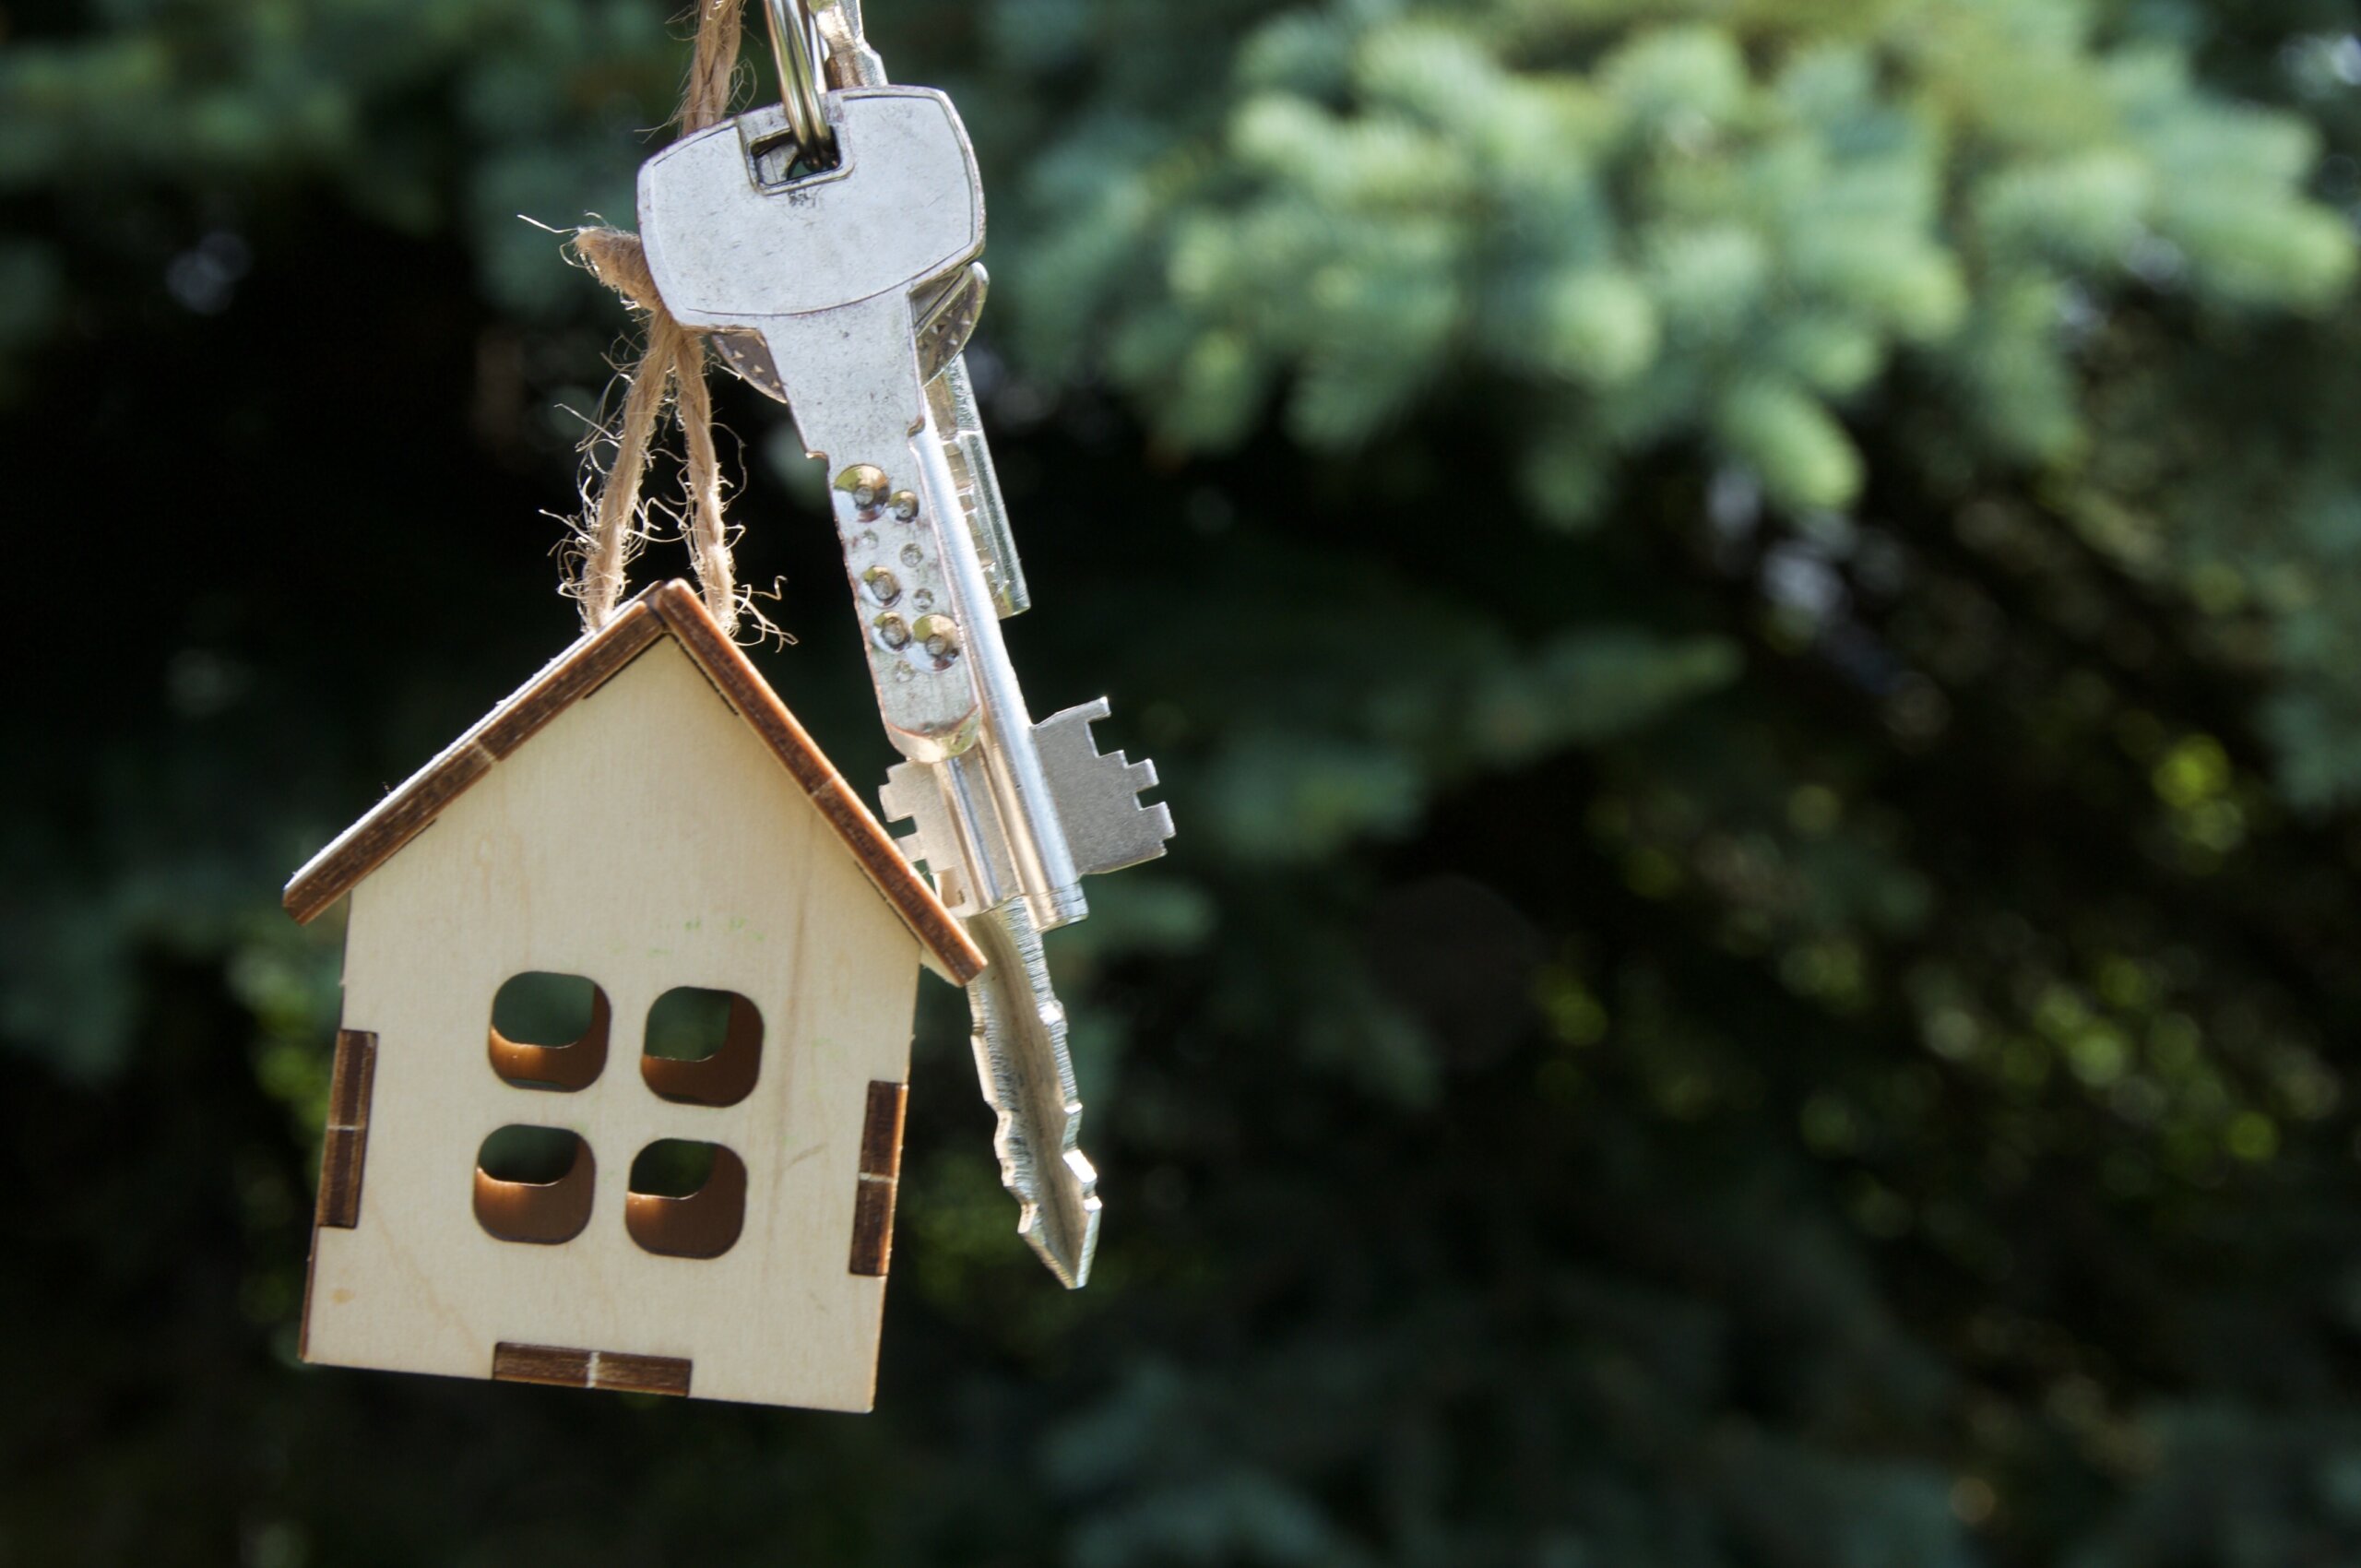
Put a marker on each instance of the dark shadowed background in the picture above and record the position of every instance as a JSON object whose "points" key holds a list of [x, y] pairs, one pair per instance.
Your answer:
{"points": [[1748, 611]]}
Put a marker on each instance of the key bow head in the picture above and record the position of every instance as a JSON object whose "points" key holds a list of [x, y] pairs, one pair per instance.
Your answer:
{"points": [[728, 249]]}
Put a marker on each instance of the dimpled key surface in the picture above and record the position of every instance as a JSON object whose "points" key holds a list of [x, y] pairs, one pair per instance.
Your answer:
{"points": [[822, 268]]}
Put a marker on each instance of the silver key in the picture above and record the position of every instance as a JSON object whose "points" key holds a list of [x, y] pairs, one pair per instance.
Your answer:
{"points": [[842, 292]]}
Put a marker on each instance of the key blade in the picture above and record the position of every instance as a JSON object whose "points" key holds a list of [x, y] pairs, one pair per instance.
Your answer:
{"points": [[1027, 1078]]}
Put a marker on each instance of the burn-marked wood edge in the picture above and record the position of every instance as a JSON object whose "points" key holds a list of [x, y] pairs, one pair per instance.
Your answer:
{"points": [[555, 1365], [881, 1168], [343, 1156], [410, 809], [641, 1374], [559, 1366], [881, 1129], [346, 1151], [671, 608]]}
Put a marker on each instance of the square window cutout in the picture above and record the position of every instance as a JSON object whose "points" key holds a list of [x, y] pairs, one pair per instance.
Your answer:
{"points": [[548, 1032], [703, 1047], [687, 1200], [534, 1184]]}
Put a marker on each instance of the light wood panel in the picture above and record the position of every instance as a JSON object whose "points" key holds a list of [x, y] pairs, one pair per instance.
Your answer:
{"points": [[644, 837]]}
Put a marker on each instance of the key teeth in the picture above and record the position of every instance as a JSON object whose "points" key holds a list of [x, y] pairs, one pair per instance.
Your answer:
{"points": [[893, 805], [1098, 793], [909, 795]]}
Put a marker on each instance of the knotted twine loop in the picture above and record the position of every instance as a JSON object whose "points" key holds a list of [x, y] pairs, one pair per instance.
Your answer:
{"points": [[671, 369]]}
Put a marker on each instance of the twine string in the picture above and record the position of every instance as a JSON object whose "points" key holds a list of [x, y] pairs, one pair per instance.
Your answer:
{"points": [[670, 371]]}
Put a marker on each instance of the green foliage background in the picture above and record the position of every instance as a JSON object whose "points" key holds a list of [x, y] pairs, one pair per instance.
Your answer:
{"points": [[1747, 609]]}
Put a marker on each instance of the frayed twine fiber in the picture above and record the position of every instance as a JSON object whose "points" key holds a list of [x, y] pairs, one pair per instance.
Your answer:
{"points": [[672, 368]]}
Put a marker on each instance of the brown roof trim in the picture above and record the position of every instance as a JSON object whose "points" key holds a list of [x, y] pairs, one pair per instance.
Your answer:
{"points": [[668, 608], [409, 810]]}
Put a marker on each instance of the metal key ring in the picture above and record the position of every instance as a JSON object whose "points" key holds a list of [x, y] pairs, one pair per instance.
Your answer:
{"points": [[795, 45]]}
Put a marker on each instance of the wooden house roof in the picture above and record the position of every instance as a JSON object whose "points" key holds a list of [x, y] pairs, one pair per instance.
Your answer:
{"points": [[669, 610]]}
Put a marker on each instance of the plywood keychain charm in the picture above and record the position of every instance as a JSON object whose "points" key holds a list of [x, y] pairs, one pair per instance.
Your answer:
{"points": [[828, 249], [551, 839]]}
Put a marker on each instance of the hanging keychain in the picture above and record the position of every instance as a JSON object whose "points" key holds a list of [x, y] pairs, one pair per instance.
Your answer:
{"points": [[828, 245], [827, 248]]}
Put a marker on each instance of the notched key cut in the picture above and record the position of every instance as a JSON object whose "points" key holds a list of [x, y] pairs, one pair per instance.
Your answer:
{"points": [[1099, 794], [1098, 798]]}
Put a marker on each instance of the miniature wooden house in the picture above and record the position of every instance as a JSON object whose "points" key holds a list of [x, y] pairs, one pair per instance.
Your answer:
{"points": [[645, 816]]}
